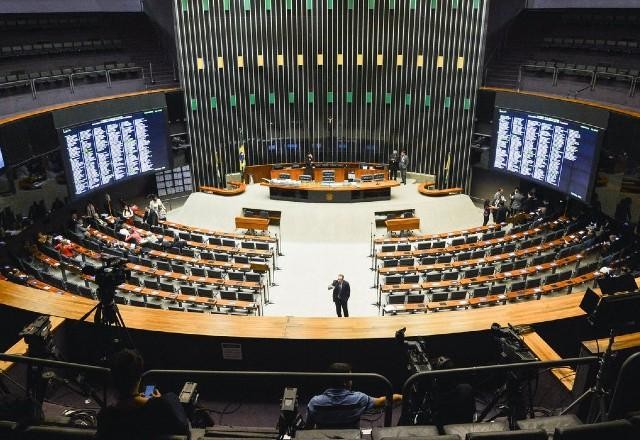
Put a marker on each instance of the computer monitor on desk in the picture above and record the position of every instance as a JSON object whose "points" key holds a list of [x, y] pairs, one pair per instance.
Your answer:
{"points": [[367, 178], [378, 177], [328, 178], [305, 178], [284, 176]]}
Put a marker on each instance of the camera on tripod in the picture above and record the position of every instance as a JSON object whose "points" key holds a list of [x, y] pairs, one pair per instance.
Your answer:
{"points": [[110, 275]]}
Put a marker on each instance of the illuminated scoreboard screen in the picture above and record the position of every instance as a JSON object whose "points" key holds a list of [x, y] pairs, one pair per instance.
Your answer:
{"points": [[114, 149], [546, 150]]}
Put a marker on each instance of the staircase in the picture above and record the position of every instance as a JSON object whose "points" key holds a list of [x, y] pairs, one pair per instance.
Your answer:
{"points": [[503, 71]]}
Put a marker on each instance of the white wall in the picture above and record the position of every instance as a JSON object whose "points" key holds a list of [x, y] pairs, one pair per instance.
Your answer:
{"points": [[40, 6]]}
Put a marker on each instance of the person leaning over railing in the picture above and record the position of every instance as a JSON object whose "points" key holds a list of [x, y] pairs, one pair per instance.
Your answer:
{"points": [[135, 416]]}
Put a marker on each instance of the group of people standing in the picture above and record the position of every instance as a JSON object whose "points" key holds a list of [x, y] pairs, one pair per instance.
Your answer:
{"points": [[398, 163], [500, 208]]}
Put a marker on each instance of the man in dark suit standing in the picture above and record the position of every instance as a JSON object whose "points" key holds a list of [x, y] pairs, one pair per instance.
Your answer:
{"points": [[341, 293]]}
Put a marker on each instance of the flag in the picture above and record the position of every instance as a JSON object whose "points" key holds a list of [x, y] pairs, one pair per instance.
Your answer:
{"points": [[241, 157]]}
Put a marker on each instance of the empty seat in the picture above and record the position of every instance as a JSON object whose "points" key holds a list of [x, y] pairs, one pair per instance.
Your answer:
{"points": [[487, 270], [617, 429], [198, 271], [390, 263], [188, 290], [406, 262], [471, 273], [480, 291], [415, 298], [150, 284], [439, 296], [246, 296], [388, 248], [403, 247], [532, 282], [197, 238], [411, 279], [393, 280], [205, 292], [167, 287], [458, 295], [506, 267], [428, 260], [433, 276], [228, 295], [228, 243], [247, 245], [214, 273], [498, 289], [517, 286], [444, 259], [241, 259], [216, 241], [550, 279], [450, 276], [471, 239], [396, 298], [253, 277], [457, 241], [424, 245], [236, 276], [163, 265]]}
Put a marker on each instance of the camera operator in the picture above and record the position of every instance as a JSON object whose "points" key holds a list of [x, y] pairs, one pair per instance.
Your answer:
{"points": [[136, 416]]}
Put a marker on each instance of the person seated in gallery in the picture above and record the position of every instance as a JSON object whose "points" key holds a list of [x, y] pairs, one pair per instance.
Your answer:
{"points": [[136, 416], [339, 407]]}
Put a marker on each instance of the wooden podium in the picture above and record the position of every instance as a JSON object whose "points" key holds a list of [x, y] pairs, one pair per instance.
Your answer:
{"points": [[252, 223], [402, 224]]}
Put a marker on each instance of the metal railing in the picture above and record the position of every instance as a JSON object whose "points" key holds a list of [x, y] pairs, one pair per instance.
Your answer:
{"points": [[406, 388], [594, 74], [105, 73], [388, 408], [38, 362]]}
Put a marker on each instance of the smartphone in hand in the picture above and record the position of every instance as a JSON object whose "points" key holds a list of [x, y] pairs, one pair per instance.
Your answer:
{"points": [[148, 391]]}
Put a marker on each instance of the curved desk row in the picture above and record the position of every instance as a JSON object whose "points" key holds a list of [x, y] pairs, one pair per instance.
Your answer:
{"points": [[288, 327], [341, 174], [334, 193]]}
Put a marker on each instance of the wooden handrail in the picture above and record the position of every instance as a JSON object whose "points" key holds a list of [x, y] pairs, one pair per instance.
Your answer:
{"points": [[238, 188], [63, 105], [612, 108], [423, 188]]}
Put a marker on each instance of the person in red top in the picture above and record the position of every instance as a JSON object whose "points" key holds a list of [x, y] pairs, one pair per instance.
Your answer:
{"points": [[65, 248]]}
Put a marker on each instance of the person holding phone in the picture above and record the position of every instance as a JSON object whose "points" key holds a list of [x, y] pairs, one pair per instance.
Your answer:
{"points": [[139, 415], [341, 294]]}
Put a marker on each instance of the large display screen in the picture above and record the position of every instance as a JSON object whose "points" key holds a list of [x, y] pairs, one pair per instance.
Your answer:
{"points": [[547, 150], [114, 149]]}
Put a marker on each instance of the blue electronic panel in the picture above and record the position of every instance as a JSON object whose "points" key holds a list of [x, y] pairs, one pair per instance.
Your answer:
{"points": [[1, 159], [546, 150], [112, 150]]}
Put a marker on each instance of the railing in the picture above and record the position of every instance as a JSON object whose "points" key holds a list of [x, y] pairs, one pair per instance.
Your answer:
{"points": [[106, 73], [31, 362], [593, 73], [388, 409], [407, 387]]}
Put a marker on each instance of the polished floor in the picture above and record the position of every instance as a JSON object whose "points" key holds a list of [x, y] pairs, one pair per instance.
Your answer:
{"points": [[321, 240]]}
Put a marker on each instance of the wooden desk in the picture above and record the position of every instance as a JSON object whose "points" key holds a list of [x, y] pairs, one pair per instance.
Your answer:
{"points": [[252, 223], [402, 224], [622, 342], [341, 173], [318, 193], [544, 352], [283, 327]]}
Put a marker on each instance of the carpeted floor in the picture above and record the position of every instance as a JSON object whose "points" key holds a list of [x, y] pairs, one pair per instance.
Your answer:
{"points": [[320, 240]]}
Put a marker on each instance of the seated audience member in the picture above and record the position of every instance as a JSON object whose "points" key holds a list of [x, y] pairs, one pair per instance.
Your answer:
{"points": [[127, 213], [338, 406], [135, 416], [65, 248], [57, 204], [133, 236]]}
